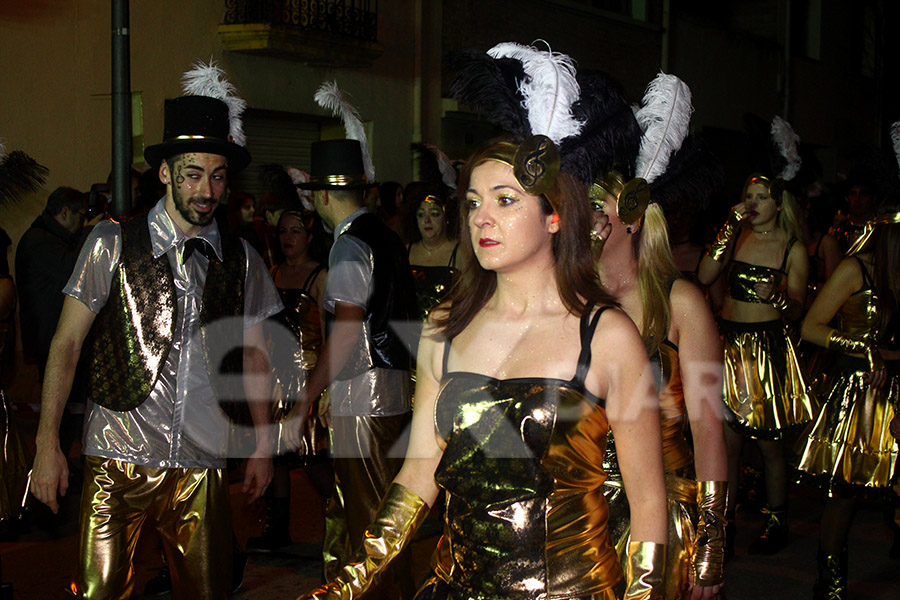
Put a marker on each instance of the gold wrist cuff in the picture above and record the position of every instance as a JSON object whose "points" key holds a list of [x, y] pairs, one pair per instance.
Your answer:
{"points": [[780, 301], [724, 238], [399, 516], [842, 342], [709, 545], [645, 571]]}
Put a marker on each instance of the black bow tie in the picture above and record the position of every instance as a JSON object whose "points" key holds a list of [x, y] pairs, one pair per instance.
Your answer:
{"points": [[195, 244]]}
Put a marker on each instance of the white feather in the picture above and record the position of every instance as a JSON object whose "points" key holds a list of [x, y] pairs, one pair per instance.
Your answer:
{"points": [[2, 151], [788, 144], [448, 173], [330, 97], [665, 119], [895, 140], [209, 80], [549, 89]]}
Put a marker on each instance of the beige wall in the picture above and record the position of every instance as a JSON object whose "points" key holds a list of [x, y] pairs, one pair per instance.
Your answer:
{"points": [[55, 74]]}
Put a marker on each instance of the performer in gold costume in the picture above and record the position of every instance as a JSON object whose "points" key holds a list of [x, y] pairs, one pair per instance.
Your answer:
{"points": [[520, 377], [765, 392], [680, 334], [849, 450], [295, 339], [432, 254]]}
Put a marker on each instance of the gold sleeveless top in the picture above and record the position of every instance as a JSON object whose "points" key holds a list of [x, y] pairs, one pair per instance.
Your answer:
{"points": [[522, 470]]}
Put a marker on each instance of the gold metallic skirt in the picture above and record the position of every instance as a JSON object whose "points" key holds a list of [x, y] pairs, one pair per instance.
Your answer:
{"points": [[849, 449], [13, 466], [764, 388]]}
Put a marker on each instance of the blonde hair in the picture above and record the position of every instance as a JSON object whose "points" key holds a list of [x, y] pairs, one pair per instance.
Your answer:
{"points": [[789, 218], [656, 272]]}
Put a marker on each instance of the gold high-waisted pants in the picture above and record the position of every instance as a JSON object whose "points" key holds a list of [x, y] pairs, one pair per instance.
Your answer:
{"points": [[192, 511]]}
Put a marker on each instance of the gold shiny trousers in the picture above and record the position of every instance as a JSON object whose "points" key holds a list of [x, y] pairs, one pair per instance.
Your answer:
{"points": [[681, 506], [764, 388], [192, 512], [368, 453]]}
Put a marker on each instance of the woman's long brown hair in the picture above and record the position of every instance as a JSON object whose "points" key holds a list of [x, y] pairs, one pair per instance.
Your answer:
{"points": [[576, 278]]}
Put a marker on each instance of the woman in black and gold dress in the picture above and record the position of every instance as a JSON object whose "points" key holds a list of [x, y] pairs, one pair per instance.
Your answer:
{"points": [[432, 254], [296, 337], [765, 393], [521, 373], [849, 451]]}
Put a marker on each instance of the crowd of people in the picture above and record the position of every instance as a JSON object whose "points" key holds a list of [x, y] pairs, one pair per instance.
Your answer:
{"points": [[537, 339]]}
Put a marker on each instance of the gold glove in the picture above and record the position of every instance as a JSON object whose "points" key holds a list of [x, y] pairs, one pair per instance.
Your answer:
{"points": [[783, 303], [842, 342], [709, 545], [400, 514], [645, 571], [726, 236]]}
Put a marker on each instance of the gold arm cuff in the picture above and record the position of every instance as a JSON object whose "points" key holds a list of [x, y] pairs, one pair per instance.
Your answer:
{"points": [[645, 571], [399, 516], [726, 235], [709, 545], [841, 342]]}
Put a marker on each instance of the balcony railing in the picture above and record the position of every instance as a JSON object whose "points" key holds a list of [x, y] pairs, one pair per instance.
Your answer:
{"points": [[323, 32]]}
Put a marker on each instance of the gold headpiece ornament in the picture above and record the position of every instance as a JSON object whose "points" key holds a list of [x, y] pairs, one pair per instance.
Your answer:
{"points": [[549, 90], [885, 219], [664, 117]]}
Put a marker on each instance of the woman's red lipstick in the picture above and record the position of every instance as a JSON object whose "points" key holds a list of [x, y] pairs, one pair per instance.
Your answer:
{"points": [[485, 242]]}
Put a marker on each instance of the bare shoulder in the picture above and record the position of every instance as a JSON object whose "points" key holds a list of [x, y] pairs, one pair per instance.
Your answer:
{"points": [[615, 332], [685, 294]]}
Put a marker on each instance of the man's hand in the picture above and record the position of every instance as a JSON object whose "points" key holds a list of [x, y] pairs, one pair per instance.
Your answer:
{"points": [[257, 476], [49, 474]]}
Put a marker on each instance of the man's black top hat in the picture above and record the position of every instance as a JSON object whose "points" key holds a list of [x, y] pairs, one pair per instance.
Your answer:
{"points": [[336, 165], [197, 124]]}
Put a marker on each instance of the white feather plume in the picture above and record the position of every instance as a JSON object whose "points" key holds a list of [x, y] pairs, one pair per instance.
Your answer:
{"points": [[209, 80], [549, 89], [2, 151], [448, 173], [788, 144], [299, 176], [895, 140], [330, 97], [665, 119]]}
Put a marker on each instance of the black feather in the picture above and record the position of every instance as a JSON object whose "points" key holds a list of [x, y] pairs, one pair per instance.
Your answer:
{"points": [[20, 175], [693, 177], [275, 179], [611, 136], [491, 85]]}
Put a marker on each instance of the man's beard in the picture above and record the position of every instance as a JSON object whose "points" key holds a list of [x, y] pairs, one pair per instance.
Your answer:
{"points": [[183, 206]]}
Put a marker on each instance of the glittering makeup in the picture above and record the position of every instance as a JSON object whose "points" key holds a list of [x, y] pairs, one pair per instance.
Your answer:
{"points": [[506, 224], [198, 183]]}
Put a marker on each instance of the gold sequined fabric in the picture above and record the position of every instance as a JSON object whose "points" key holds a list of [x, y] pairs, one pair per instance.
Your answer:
{"points": [[764, 388], [132, 334], [849, 448], [743, 277], [525, 512], [432, 283]]}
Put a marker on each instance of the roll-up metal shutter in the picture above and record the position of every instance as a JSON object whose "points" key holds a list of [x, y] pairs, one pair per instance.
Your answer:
{"points": [[275, 137]]}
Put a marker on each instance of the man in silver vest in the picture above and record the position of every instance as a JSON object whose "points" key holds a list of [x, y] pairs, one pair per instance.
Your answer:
{"points": [[162, 302], [365, 363]]}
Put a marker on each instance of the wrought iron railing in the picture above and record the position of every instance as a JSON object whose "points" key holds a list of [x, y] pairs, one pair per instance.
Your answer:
{"points": [[353, 18]]}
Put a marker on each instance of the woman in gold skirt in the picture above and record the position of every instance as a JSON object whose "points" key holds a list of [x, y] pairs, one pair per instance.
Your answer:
{"points": [[764, 390], [849, 450]]}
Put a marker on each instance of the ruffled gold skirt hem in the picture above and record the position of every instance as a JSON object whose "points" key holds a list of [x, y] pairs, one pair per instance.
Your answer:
{"points": [[764, 388], [849, 449]]}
